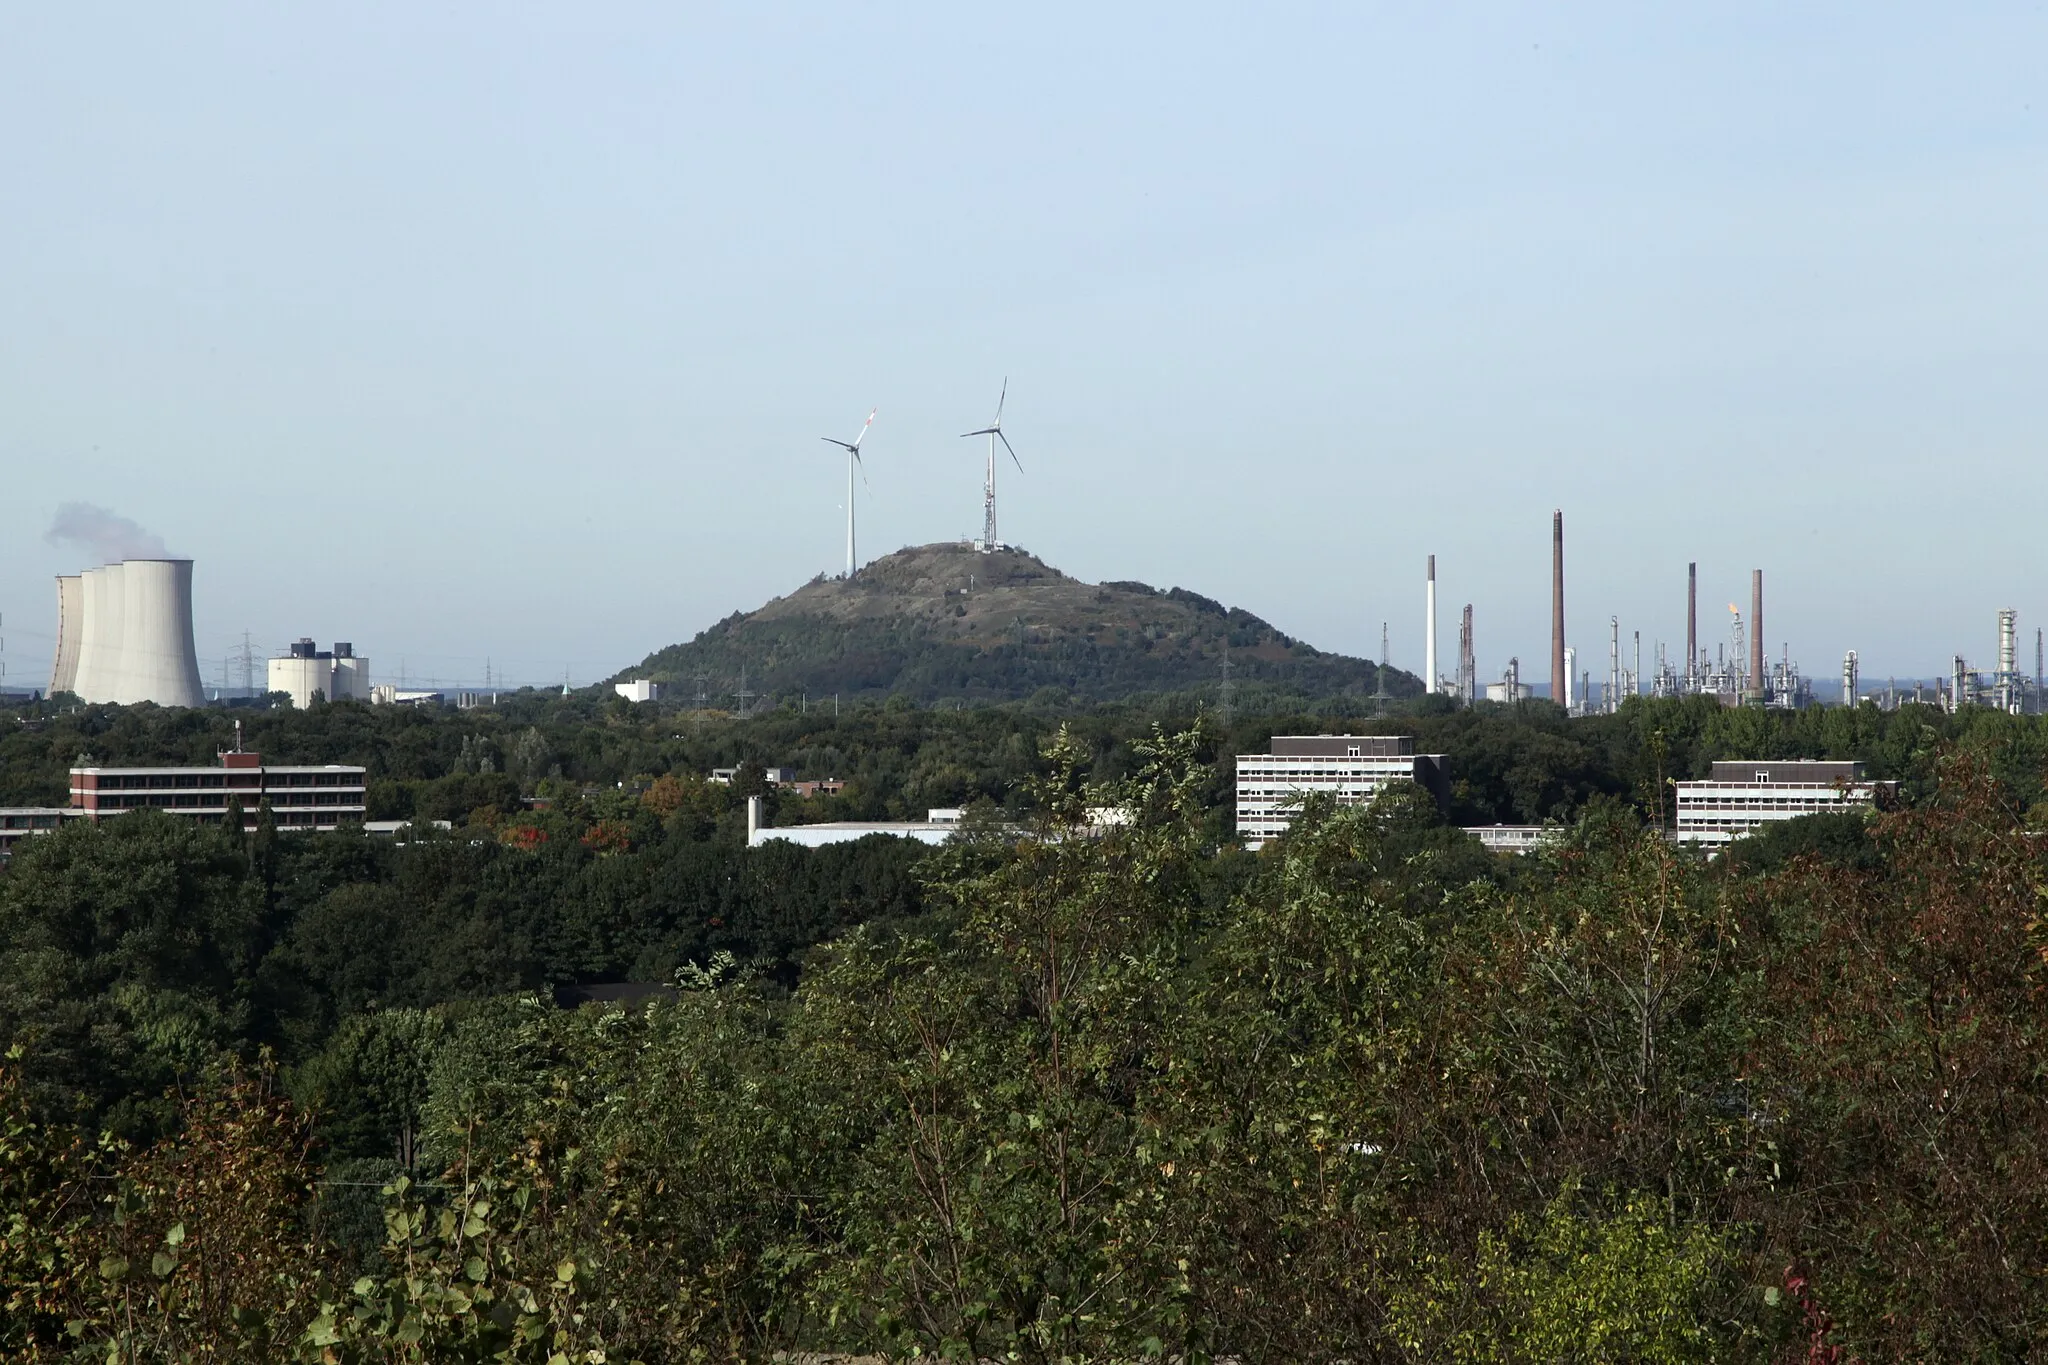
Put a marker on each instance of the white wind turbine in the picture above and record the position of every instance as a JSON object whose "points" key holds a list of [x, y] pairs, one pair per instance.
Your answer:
{"points": [[994, 432], [852, 449]]}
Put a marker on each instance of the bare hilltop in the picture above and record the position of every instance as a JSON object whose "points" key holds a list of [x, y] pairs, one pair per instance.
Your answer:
{"points": [[938, 622]]}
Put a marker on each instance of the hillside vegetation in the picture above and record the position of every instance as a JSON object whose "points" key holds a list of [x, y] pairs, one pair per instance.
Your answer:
{"points": [[940, 622]]}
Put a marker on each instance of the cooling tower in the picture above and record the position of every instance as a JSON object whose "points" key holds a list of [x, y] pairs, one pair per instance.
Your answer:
{"points": [[135, 641], [70, 617], [99, 633]]}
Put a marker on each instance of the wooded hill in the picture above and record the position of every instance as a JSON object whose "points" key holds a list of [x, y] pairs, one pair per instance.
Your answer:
{"points": [[938, 622]]}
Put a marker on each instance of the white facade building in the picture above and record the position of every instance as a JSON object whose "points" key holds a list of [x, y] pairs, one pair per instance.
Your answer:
{"points": [[1351, 768], [305, 673], [639, 689], [1742, 797], [1513, 838]]}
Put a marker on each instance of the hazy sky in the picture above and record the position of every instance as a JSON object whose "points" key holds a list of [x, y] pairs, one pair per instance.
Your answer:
{"points": [[510, 332]]}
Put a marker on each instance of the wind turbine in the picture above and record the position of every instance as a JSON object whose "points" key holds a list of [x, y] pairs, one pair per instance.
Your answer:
{"points": [[852, 449], [994, 432]]}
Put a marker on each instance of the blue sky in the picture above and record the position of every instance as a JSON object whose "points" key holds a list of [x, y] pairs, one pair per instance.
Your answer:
{"points": [[509, 332]]}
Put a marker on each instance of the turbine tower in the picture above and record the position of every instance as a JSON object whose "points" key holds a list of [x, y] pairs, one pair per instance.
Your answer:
{"points": [[994, 432], [852, 449]]}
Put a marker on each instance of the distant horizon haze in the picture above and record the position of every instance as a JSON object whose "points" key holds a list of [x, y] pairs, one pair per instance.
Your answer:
{"points": [[513, 336]]}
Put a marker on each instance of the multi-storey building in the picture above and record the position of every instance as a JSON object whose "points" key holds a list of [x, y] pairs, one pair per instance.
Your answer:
{"points": [[1351, 768], [1742, 797], [25, 822], [300, 796]]}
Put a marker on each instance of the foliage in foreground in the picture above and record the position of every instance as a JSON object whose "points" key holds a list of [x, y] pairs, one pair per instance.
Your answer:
{"points": [[1382, 1101]]}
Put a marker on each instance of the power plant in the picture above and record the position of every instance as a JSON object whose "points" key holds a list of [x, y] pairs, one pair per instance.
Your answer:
{"points": [[124, 634], [330, 675]]}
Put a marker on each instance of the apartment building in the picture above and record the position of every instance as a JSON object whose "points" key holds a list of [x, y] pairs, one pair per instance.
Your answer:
{"points": [[1744, 796], [1352, 769]]}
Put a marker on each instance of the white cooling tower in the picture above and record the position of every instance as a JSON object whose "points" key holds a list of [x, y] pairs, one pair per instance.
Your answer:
{"points": [[135, 644], [99, 633], [70, 616]]}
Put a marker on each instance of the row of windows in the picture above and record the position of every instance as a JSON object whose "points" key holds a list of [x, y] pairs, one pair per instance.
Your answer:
{"points": [[212, 781], [1402, 769], [1786, 803], [1696, 790], [180, 801], [161, 781]]}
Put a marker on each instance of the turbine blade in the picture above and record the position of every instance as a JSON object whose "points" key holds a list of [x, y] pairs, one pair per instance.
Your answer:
{"points": [[863, 468], [834, 440], [1001, 399], [1012, 449], [985, 431], [864, 429]]}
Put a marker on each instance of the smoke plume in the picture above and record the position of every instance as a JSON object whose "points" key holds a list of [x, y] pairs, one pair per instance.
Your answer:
{"points": [[111, 538]]}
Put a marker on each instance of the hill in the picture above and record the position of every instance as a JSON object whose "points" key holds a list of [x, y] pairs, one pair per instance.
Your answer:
{"points": [[938, 622]]}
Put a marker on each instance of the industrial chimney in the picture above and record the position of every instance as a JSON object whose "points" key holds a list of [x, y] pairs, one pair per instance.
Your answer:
{"points": [[1429, 632], [1468, 668], [1692, 622], [1758, 684], [1560, 688], [133, 638]]}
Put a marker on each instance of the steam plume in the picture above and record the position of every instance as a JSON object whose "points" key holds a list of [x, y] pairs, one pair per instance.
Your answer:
{"points": [[111, 538]]}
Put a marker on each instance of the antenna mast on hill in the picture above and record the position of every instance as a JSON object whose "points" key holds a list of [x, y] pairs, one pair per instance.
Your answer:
{"points": [[743, 695], [994, 431], [1380, 696], [852, 449], [1226, 690]]}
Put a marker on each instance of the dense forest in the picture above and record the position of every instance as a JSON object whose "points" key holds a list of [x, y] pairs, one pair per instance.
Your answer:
{"points": [[1372, 1093]]}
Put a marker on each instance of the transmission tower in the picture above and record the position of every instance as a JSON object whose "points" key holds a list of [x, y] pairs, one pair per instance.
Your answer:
{"points": [[1380, 696], [1225, 690], [743, 695]]}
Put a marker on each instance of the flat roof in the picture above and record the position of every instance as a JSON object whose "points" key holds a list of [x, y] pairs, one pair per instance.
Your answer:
{"points": [[1340, 746], [867, 826]]}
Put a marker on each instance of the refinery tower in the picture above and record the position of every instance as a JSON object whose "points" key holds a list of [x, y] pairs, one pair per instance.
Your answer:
{"points": [[124, 634]]}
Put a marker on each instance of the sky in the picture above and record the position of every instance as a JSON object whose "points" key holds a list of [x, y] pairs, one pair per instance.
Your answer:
{"points": [[508, 333]]}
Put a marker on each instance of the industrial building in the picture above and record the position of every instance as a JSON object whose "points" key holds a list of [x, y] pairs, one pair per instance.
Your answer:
{"points": [[939, 826], [1742, 797], [390, 694], [301, 797], [329, 675], [1353, 769], [124, 634], [638, 690]]}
